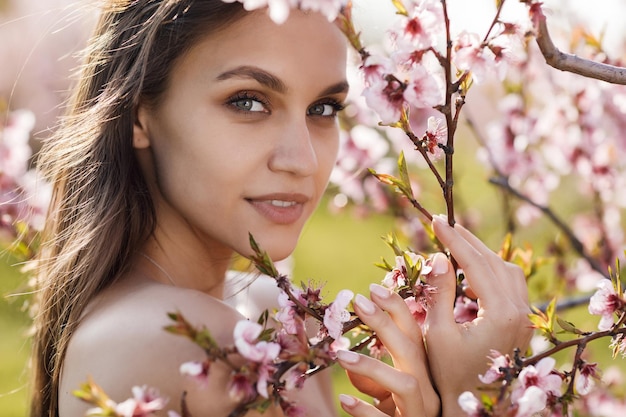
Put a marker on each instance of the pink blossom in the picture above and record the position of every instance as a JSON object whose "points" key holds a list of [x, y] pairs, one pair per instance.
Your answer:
{"points": [[386, 97], [240, 388], [336, 314], [278, 9], [470, 404], [585, 380], [436, 133], [14, 148], [494, 373], [341, 343], [287, 313], [265, 371], [544, 381], [245, 334], [618, 344], [532, 401], [294, 379], [399, 275], [465, 309], [293, 410], [145, 401], [376, 348], [423, 89], [196, 370], [417, 309], [423, 28], [605, 302], [328, 8], [471, 55]]}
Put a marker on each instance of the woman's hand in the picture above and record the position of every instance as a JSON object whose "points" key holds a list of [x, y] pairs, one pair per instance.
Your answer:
{"points": [[457, 353], [404, 389]]}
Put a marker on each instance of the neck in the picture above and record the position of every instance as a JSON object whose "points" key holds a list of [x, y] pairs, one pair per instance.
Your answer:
{"points": [[185, 266]]}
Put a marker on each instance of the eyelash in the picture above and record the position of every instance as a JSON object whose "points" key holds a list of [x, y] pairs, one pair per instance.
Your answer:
{"points": [[248, 95], [335, 104]]}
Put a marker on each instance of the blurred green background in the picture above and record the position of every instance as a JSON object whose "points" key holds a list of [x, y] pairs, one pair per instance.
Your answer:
{"points": [[336, 249]]}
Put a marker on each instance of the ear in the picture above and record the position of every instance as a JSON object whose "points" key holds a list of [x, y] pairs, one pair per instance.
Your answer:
{"points": [[141, 136]]}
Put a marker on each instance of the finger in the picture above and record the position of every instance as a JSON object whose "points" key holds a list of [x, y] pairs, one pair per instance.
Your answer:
{"points": [[476, 266], [405, 387], [411, 357], [358, 408], [514, 282], [367, 386], [441, 313], [397, 309]]}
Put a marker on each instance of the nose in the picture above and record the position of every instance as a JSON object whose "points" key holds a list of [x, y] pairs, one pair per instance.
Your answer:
{"points": [[294, 151]]}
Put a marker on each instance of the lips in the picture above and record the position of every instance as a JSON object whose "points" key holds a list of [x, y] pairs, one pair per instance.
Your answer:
{"points": [[281, 208]]}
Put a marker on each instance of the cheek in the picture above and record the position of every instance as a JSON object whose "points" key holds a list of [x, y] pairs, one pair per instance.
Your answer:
{"points": [[327, 156]]}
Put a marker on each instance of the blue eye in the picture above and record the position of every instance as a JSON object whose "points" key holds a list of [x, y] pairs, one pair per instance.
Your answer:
{"points": [[328, 109], [248, 102]]}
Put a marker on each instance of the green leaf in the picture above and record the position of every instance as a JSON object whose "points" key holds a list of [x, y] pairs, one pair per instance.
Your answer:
{"points": [[400, 8], [262, 260], [404, 177], [567, 326]]}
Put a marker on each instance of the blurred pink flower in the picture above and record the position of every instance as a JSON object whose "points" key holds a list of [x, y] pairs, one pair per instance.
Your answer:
{"points": [[245, 334], [465, 309], [279, 9], [470, 404], [336, 314], [144, 403], [605, 302], [240, 388], [494, 373], [287, 313], [423, 89], [417, 309], [196, 370], [585, 380]]}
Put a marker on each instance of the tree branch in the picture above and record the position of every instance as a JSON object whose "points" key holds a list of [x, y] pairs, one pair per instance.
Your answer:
{"points": [[572, 63]]}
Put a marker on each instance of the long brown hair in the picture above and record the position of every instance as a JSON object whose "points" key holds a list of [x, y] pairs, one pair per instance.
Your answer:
{"points": [[101, 211]]}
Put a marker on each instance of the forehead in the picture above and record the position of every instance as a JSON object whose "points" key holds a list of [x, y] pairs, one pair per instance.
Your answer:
{"points": [[305, 47]]}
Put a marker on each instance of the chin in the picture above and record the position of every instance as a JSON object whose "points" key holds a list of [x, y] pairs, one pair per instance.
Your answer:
{"points": [[278, 247]]}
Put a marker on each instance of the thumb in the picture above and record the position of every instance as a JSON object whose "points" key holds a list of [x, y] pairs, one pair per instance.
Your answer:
{"points": [[443, 277]]}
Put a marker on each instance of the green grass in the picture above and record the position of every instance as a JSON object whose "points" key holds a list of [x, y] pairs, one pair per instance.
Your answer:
{"points": [[14, 345]]}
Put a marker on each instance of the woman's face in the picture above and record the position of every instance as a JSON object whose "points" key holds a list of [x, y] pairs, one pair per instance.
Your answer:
{"points": [[246, 134]]}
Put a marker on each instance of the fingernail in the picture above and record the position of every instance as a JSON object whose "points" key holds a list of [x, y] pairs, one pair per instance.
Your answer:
{"points": [[440, 264], [441, 219], [365, 305], [347, 400], [347, 356], [380, 291]]}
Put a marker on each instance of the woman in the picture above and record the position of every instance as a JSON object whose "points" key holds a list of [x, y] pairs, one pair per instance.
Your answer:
{"points": [[193, 124]]}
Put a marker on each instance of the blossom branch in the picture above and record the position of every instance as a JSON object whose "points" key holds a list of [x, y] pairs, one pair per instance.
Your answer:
{"points": [[502, 182], [450, 120], [572, 63]]}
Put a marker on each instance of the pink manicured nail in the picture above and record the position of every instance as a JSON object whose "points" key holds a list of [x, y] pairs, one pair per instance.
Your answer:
{"points": [[347, 400], [440, 264], [380, 291], [347, 356], [364, 304]]}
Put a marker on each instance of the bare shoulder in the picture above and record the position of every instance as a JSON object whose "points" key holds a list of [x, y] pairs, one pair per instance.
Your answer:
{"points": [[122, 343]]}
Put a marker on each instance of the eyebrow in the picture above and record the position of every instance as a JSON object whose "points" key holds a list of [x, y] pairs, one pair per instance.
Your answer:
{"points": [[272, 82], [261, 76]]}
